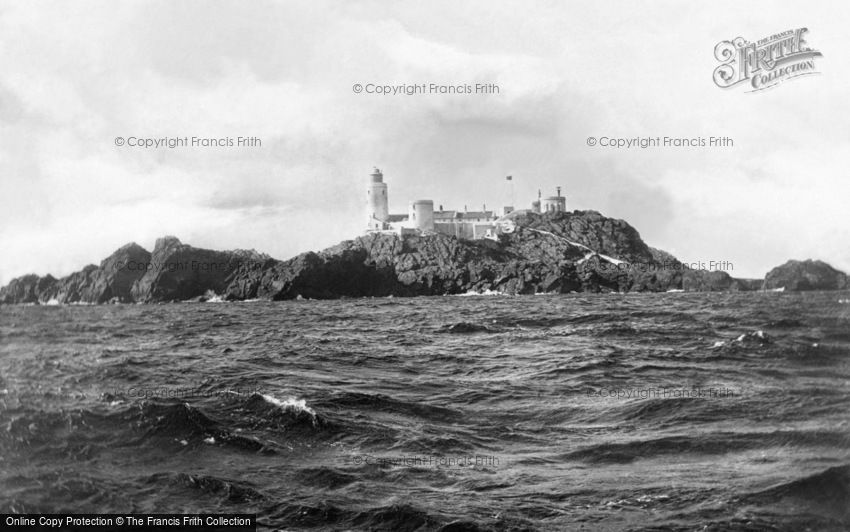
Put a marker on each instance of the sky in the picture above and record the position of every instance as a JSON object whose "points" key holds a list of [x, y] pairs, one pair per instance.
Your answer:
{"points": [[74, 76]]}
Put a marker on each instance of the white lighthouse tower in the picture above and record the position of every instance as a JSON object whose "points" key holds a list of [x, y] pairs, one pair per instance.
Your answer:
{"points": [[378, 204]]}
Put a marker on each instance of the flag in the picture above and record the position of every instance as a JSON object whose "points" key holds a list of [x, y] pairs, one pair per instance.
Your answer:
{"points": [[509, 178]]}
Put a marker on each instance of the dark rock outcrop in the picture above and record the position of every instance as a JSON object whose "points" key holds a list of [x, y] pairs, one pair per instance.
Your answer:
{"points": [[177, 271], [561, 252], [26, 289], [551, 253], [132, 274], [111, 281], [706, 281], [121, 271], [809, 274]]}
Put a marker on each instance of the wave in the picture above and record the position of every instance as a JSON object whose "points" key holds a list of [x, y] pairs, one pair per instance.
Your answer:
{"points": [[826, 493], [464, 327], [231, 491], [669, 410], [290, 412], [704, 444], [472, 293], [401, 518], [591, 319], [438, 445], [55, 491], [754, 337], [325, 477], [297, 405], [371, 403], [785, 323], [386, 378], [617, 331], [184, 423]]}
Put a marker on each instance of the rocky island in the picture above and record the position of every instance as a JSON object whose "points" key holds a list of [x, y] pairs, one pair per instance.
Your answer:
{"points": [[553, 252]]}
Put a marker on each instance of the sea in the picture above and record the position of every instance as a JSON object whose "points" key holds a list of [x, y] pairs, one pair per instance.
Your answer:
{"points": [[672, 411]]}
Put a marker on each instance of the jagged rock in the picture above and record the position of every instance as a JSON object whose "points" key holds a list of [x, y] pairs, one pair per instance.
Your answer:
{"points": [[706, 281], [26, 289], [121, 270], [111, 281], [608, 236], [546, 253], [551, 253], [82, 286], [178, 271], [806, 275], [716, 281]]}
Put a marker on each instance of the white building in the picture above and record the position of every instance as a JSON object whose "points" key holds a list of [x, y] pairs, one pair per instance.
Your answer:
{"points": [[422, 218]]}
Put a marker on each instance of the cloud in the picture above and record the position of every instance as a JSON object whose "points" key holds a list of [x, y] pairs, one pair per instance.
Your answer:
{"points": [[283, 72]]}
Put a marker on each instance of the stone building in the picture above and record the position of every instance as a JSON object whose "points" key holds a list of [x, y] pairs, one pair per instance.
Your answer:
{"points": [[422, 218]]}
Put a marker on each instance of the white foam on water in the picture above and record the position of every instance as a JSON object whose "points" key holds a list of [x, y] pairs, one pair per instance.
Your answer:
{"points": [[290, 403], [481, 293], [211, 297], [758, 334]]}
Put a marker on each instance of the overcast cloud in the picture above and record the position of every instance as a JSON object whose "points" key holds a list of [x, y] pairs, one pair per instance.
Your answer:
{"points": [[75, 75]]}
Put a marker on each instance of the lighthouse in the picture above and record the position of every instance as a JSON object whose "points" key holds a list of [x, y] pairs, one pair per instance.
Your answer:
{"points": [[378, 204]]}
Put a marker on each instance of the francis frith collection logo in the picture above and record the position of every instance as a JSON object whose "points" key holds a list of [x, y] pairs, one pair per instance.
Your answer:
{"points": [[765, 63]]}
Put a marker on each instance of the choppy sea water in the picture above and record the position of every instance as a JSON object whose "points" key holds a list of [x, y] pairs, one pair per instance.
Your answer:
{"points": [[580, 412]]}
